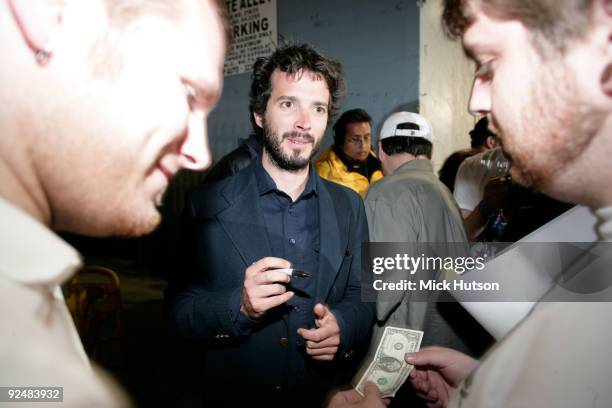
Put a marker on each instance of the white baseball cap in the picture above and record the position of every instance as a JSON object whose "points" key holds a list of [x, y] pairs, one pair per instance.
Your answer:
{"points": [[420, 126]]}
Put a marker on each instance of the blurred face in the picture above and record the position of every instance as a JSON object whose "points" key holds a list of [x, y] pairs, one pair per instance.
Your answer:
{"points": [[133, 112], [295, 118], [358, 141], [544, 121]]}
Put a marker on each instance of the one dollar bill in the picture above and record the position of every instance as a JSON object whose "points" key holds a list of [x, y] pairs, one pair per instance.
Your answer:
{"points": [[388, 368]]}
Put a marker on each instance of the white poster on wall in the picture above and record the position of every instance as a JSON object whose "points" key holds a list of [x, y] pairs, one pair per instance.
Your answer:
{"points": [[254, 33]]}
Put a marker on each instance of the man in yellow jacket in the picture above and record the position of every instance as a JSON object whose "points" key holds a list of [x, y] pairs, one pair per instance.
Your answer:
{"points": [[350, 161]]}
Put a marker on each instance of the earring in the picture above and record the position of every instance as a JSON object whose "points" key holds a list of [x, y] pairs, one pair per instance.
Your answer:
{"points": [[43, 56], [190, 91]]}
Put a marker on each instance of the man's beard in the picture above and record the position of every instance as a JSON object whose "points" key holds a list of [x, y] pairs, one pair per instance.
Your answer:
{"points": [[557, 126], [272, 143]]}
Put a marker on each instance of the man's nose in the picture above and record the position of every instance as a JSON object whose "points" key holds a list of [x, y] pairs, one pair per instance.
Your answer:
{"points": [[303, 120], [195, 152], [480, 97]]}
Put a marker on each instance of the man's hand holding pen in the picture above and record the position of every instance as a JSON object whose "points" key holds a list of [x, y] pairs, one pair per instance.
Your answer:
{"points": [[264, 287]]}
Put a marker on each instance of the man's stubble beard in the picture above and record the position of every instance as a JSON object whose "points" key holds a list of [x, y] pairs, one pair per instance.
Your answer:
{"points": [[563, 124], [272, 144]]}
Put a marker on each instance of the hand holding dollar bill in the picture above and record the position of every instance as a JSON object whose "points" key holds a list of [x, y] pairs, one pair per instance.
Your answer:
{"points": [[387, 368]]}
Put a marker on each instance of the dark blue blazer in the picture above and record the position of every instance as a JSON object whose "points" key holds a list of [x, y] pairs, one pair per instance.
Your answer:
{"points": [[226, 234]]}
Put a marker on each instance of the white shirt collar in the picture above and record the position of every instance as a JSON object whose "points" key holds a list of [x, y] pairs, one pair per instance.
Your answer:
{"points": [[30, 252]]}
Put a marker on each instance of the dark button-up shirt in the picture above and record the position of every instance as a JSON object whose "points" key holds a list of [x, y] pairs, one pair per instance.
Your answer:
{"points": [[293, 232]]}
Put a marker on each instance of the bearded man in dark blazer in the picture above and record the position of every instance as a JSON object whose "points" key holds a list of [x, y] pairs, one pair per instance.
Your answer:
{"points": [[276, 338]]}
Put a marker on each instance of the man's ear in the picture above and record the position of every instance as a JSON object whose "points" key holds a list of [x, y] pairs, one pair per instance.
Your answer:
{"points": [[490, 142], [606, 80], [258, 119], [37, 20], [603, 15], [380, 150]]}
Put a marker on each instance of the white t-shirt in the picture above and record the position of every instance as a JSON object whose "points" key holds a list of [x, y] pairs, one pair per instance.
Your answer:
{"points": [[605, 226], [39, 344], [472, 176]]}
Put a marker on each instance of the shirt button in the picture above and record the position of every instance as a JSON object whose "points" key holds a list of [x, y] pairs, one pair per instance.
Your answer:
{"points": [[283, 341], [292, 241]]}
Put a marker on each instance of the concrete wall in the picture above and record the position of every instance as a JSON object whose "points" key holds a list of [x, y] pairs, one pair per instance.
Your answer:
{"points": [[377, 41], [445, 82]]}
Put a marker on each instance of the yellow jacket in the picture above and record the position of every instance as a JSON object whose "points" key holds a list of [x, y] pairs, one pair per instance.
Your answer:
{"points": [[330, 167]]}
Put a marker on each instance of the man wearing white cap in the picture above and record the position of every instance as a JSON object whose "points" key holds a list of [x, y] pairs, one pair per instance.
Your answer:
{"points": [[410, 205]]}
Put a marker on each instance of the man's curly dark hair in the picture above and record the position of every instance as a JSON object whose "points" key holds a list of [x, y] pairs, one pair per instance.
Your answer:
{"points": [[294, 59]]}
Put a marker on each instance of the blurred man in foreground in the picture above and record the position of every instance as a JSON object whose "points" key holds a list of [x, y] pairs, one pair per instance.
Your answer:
{"points": [[103, 102]]}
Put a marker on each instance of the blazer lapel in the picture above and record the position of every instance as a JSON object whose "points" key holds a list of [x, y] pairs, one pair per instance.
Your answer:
{"points": [[243, 219], [333, 236]]}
